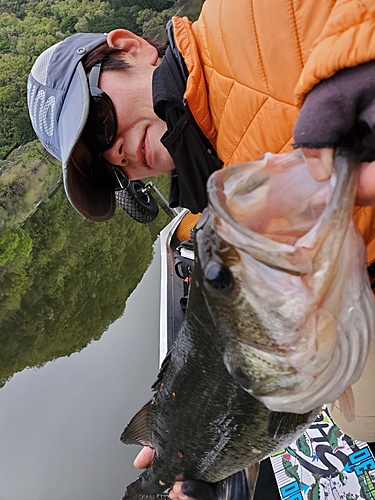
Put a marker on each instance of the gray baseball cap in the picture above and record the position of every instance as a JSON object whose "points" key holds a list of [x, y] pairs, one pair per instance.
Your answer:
{"points": [[58, 99]]}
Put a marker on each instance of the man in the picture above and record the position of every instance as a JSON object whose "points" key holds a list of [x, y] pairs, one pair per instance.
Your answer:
{"points": [[230, 87]]}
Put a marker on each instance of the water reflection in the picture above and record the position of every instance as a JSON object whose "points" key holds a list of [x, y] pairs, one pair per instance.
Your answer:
{"points": [[60, 425], [65, 281]]}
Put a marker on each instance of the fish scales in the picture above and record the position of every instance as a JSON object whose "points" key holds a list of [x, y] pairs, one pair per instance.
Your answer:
{"points": [[266, 321]]}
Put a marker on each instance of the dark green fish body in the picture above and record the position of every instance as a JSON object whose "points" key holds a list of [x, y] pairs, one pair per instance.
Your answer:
{"points": [[259, 351], [202, 424]]}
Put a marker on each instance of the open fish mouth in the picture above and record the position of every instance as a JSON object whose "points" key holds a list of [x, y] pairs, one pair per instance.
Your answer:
{"points": [[302, 270]]}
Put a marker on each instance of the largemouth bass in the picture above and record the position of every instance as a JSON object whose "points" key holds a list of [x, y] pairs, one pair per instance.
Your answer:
{"points": [[279, 319]]}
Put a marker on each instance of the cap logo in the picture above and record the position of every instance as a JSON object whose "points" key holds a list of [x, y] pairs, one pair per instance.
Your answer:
{"points": [[42, 111]]}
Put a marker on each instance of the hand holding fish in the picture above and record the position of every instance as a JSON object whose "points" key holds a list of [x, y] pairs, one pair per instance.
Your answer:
{"points": [[320, 165], [180, 490], [340, 110], [144, 458]]}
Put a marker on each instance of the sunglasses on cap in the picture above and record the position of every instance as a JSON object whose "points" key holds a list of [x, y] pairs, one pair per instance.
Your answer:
{"points": [[101, 127]]}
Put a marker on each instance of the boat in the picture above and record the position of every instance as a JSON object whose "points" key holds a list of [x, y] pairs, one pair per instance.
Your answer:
{"points": [[171, 287]]}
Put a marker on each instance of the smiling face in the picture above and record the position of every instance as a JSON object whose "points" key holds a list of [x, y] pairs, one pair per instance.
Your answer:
{"points": [[137, 147]]}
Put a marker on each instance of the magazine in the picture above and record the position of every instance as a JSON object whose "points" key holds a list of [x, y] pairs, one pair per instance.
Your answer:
{"points": [[325, 464]]}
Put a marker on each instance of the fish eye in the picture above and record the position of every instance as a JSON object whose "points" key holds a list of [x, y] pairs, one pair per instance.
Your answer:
{"points": [[217, 275]]}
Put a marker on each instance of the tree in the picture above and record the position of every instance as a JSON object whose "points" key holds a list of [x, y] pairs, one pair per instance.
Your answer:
{"points": [[123, 17], [13, 244], [156, 5]]}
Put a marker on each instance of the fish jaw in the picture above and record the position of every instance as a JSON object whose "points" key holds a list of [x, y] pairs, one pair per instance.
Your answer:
{"points": [[305, 285]]}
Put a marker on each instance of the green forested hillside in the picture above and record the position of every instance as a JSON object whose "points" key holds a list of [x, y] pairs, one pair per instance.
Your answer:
{"points": [[27, 27], [66, 280]]}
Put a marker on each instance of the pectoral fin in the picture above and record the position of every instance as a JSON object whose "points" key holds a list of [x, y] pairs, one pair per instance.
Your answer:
{"points": [[347, 404]]}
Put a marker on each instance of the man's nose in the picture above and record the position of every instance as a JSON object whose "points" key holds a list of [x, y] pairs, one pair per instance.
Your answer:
{"points": [[116, 154]]}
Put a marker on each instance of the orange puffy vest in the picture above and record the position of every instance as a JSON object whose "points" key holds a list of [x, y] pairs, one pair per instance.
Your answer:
{"points": [[252, 62]]}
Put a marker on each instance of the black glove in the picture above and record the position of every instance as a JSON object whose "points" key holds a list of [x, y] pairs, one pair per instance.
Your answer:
{"points": [[235, 486], [339, 111], [198, 490]]}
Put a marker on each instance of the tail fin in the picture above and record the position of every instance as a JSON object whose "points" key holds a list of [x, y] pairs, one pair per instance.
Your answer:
{"points": [[134, 492], [239, 486]]}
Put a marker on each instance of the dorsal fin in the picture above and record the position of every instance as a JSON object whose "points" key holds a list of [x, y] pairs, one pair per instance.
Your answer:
{"points": [[138, 429]]}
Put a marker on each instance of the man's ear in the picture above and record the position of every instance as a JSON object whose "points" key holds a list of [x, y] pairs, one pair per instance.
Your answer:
{"points": [[133, 44]]}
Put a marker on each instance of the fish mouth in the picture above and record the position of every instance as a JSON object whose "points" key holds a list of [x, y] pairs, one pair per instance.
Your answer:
{"points": [[291, 234], [246, 198]]}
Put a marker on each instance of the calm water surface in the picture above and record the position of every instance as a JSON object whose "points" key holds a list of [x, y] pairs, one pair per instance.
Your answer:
{"points": [[60, 423]]}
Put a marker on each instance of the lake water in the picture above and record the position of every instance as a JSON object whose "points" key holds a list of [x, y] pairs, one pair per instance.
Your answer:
{"points": [[61, 422]]}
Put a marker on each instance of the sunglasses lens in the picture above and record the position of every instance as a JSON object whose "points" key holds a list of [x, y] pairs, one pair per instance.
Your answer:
{"points": [[105, 122], [100, 130], [107, 176], [101, 127]]}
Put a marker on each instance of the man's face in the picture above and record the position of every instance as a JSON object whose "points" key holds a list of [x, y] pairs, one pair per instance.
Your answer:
{"points": [[137, 147]]}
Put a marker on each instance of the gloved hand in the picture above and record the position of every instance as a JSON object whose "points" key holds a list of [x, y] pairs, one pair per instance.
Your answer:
{"points": [[198, 490], [339, 111], [240, 485]]}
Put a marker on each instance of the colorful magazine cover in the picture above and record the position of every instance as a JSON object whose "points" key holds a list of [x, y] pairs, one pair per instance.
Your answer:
{"points": [[325, 464]]}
